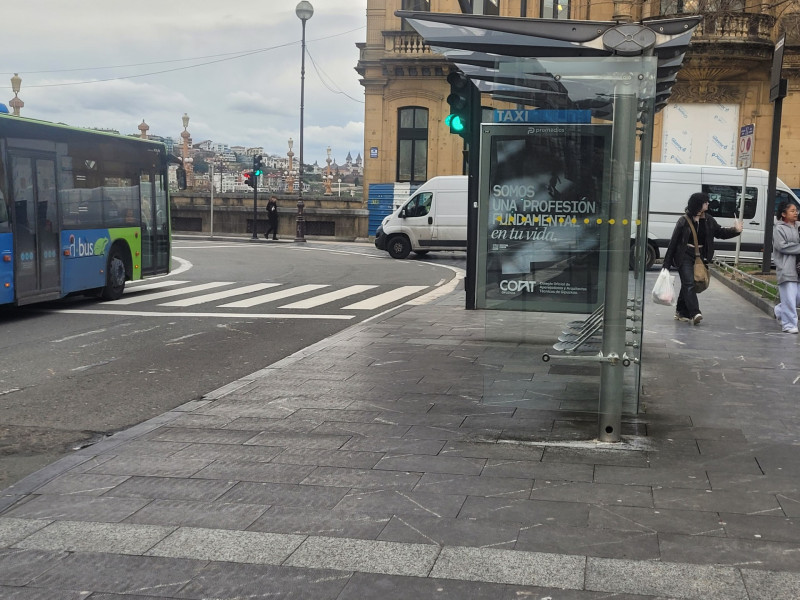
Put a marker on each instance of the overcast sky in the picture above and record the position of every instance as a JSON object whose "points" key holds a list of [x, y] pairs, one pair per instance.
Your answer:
{"points": [[233, 66]]}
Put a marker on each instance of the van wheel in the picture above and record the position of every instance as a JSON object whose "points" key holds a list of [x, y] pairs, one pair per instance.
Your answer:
{"points": [[649, 257], [398, 246]]}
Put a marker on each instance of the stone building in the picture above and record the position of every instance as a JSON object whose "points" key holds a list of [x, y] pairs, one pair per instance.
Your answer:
{"points": [[723, 85]]}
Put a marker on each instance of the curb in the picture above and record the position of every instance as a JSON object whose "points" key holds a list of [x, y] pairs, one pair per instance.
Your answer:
{"points": [[761, 303]]}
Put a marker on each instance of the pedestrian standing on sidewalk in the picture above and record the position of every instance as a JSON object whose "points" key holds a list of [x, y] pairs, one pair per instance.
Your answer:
{"points": [[785, 250], [272, 215], [681, 252]]}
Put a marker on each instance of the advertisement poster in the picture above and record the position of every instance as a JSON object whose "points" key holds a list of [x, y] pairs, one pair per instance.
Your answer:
{"points": [[543, 221]]}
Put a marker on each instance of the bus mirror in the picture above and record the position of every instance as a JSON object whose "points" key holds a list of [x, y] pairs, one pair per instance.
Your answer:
{"points": [[180, 174]]}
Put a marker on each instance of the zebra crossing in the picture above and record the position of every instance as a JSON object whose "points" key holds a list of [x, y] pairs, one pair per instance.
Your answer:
{"points": [[272, 296]]}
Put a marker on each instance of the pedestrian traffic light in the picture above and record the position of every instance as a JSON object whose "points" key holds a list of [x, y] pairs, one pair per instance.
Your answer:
{"points": [[460, 104], [258, 165], [249, 179]]}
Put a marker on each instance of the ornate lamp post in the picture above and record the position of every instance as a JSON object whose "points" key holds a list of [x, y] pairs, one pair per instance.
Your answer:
{"points": [[187, 140], [15, 103], [328, 177], [304, 12], [290, 170]]}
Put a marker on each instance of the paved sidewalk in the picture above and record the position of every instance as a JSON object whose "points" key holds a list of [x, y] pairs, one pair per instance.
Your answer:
{"points": [[375, 464]]}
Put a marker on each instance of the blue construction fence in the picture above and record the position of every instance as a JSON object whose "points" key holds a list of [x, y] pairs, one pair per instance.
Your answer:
{"points": [[384, 198]]}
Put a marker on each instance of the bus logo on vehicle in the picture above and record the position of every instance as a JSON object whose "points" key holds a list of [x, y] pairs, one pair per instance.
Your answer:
{"points": [[80, 247]]}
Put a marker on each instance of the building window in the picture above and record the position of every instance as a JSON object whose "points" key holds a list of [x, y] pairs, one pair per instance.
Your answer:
{"points": [[412, 144], [491, 7], [416, 5], [555, 9]]}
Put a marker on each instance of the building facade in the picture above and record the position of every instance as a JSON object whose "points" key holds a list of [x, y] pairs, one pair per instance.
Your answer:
{"points": [[723, 85]]}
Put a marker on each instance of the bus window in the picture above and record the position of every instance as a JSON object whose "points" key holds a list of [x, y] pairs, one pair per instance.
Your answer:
{"points": [[5, 225]]}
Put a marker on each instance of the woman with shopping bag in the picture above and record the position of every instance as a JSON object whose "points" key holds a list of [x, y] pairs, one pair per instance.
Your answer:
{"points": [[692, 243]]}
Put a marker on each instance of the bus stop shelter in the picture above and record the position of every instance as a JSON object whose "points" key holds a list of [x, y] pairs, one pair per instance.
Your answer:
{"points": [[556, 225]]}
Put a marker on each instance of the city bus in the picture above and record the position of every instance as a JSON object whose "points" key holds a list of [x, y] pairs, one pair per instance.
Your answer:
{"points": [[81, 211]]}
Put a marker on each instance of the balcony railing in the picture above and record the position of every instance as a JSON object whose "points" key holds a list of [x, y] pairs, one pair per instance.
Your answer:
{"points": [[406, 43], [744, 27]]}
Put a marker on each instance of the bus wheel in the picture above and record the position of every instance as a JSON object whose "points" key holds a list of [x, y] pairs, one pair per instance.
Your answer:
{"points": [[398, 246], [115, 277]]}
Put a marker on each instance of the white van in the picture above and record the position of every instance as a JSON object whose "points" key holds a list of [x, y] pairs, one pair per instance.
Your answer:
{"points": [[672, 184], [433, 218]]}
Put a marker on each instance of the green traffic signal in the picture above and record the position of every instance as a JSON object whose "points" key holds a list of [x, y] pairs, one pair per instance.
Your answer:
{"points": [[455, 123], [258, 172]]}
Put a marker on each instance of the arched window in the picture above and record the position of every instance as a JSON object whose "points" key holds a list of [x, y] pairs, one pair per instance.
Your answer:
{"points": [[412, 144]]}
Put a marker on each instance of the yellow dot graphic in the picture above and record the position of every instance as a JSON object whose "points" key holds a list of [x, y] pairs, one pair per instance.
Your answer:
{"points": [[611, 221], [586, 221], [560, 219], [535, 219], [599, 221], [638, 221], [574, 220], [624, 221]]}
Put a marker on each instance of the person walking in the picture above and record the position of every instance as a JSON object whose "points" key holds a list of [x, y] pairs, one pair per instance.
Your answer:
{"points": [[681, 252], [785, 250], [272, 215]]}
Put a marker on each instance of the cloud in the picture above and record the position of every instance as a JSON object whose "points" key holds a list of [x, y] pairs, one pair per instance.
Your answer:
{"points": [[235, 69]]}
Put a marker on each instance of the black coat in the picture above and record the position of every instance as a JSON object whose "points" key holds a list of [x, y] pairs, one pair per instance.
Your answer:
{"points": [[272, 213], [682, 237]]}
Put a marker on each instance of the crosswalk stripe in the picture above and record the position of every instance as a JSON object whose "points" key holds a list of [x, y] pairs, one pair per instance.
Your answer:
{"points": [[386, 297], [169, 293], [263, 299], [256, 287], [329, 297], [153, 285]]}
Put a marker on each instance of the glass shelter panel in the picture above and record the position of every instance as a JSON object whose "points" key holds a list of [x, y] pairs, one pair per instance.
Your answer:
{"points": [[561, 238]]}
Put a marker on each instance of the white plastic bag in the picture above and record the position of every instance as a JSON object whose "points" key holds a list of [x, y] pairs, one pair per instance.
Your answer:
{"points": [[664, 289]]}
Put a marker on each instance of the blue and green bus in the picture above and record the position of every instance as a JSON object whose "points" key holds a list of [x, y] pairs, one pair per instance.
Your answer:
{"points": [[81, 211]]}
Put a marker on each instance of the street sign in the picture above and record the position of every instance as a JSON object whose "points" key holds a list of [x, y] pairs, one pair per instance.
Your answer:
{"points": [[746, 142]]}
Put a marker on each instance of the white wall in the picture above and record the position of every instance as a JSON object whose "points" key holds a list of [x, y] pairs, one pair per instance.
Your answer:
{"points": [[700, 134]]}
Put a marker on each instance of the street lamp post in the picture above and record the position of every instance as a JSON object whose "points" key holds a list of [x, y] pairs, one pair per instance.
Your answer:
{"points": [[15, 103], [304, 12]]}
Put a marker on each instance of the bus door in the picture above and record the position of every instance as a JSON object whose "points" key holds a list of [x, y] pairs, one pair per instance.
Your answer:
{"points": [[155, 224], [35, 228]]}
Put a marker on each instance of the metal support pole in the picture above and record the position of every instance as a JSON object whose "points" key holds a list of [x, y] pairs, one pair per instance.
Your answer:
{"points": [[255, 205], [616, 288], [472, 155], [772, 181], [212, 201], [300, 234]]}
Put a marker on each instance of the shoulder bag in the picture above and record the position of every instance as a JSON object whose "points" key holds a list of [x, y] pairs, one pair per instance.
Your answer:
{"points": [[700, 270]]}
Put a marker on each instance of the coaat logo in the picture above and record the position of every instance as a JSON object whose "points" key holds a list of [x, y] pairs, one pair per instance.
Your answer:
{"points": [[514, 286]]}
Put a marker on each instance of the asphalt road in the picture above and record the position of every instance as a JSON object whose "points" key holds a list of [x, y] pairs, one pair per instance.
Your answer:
{"points": [[77, 370]]}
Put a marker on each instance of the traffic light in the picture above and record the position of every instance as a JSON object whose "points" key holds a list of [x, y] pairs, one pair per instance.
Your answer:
{"points": [[249, 179], [258, 165], [460, 104]]}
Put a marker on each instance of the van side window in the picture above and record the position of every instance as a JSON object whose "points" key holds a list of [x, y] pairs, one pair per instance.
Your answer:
{"points": [[419, 205], [724, 201]]}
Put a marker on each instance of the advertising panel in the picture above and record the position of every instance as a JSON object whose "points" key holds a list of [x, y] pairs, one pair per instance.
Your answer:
{"points": [[543, 217]]}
